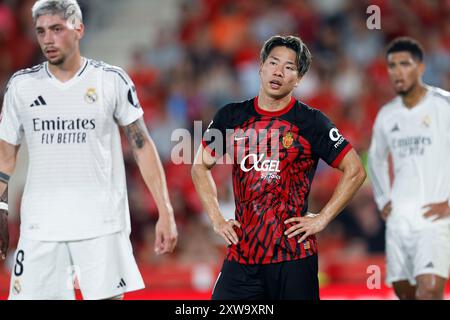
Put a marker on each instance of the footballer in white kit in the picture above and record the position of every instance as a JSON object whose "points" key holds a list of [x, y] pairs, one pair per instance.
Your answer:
{"points": [[74, 212], [418, 140]]}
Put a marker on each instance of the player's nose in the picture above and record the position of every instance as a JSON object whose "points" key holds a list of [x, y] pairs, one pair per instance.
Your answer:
{"points": [[48, 38], [278, 71], [395, 73]]}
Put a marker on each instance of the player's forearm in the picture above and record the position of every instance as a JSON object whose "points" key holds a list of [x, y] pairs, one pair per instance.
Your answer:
{"points": [[152, 172], [351, 180], [4, 233], [207, 191], [3, 190], [3, 198], [8, 153], [7, 164], [4, 178], [149, 164], [3, 215]]}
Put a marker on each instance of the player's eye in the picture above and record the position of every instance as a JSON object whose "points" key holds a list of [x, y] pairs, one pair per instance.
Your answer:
{"points": [[273, 63]]}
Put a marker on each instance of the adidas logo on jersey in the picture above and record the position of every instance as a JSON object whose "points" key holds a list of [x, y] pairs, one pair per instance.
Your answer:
{"points": [[121, 283], [395, 128], [38, 102]]}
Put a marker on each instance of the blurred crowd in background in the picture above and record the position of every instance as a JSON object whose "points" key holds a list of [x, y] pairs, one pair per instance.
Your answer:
{"points": [[212, 58]]}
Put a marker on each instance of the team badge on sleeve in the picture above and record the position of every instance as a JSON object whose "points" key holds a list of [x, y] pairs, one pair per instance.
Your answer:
{"points": [[132, 97], [91, 95], [335, 136]]}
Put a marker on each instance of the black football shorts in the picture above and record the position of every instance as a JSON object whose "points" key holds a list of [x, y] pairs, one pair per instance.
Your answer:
{"points": [[291, 280]]}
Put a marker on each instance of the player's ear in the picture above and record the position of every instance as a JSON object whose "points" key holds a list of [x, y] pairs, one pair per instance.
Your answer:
{"points": [[80, 31], [421, 68]]}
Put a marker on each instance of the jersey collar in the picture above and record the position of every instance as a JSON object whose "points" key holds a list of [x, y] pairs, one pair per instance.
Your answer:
{"points": [[74, 79], [273, 113]]}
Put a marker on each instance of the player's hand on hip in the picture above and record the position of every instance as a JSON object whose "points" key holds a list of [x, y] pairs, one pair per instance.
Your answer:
{"points": [[307, 226], [439, 210], [4, 234], [166, 234], [386, 211], [225, 228]]}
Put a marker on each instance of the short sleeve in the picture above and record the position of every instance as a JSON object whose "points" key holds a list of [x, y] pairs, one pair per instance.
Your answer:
{"points": [[127, 108], [11, 128], [328, 143], [214, 138]]}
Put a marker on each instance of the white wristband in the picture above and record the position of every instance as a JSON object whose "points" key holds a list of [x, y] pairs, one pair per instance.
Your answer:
{"points": [[3, 206]]}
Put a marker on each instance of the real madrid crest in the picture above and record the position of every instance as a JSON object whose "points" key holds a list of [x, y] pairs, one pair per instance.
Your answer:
{"points": [[17, 288], [426, 121], [91, 95], [288, 139]]}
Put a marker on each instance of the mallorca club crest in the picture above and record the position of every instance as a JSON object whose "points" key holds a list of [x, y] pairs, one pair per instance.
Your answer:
{"points": [[91, 95], [288, 139]]}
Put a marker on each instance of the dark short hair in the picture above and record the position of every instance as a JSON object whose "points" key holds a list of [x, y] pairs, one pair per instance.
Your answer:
{"points": [[303, 55], [406, 44]]}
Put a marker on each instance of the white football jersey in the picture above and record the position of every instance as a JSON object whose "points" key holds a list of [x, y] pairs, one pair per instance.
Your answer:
{"points": [[418, 140], [75, 187]]}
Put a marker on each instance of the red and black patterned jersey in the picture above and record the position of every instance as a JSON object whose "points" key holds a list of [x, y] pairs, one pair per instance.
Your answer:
{"points": [[274, 156]]}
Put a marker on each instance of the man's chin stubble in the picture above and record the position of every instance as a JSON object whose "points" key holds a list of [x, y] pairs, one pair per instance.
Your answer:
{"points": [[56, 62]]}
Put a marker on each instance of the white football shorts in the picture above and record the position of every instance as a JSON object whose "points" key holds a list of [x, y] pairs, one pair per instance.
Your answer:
{"points": [[103, 267], [411, 252]]}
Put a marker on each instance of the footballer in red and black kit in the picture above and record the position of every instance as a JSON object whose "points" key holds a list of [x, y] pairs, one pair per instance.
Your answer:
{"points": [[272, 179], [274, 143]]}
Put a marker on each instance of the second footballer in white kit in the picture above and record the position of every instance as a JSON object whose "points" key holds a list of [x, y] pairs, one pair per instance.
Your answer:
{"points": [[415, 129], [74, 212]]}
